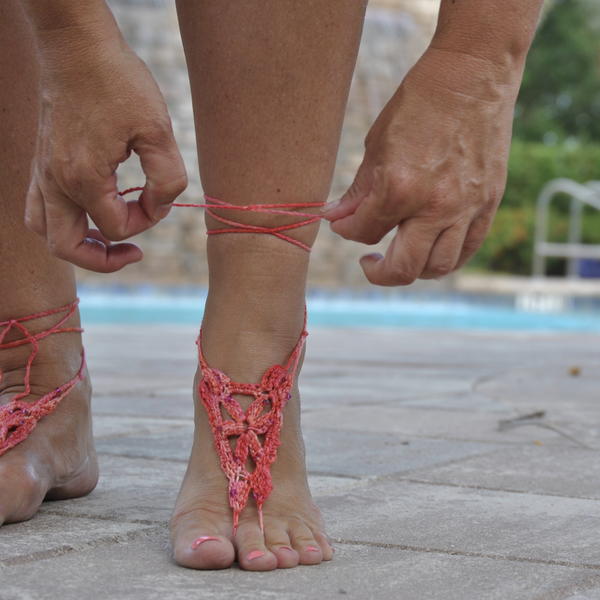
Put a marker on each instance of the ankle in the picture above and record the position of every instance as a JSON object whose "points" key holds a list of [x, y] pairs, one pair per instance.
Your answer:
{"points": [[57, 354]]}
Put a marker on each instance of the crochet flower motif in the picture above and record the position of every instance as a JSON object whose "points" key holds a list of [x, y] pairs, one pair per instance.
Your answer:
{"points": [[262, 419]]}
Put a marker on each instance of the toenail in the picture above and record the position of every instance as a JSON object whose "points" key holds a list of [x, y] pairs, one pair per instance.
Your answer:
{"points": [[312, 549], [255, 554], [204, 538], [286, 548]]}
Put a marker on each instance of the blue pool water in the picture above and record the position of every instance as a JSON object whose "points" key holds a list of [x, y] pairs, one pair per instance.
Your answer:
{"points": [[408, 310]]}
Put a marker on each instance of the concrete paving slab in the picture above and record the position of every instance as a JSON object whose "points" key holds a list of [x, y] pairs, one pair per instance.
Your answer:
{"points": [[450, 347], [166, 445], [175, 405], [548, 470], [141, 569], [143, 490], [520, 526], [106, 426], [129, 489], [366, 454], [411, 520], [50, 534], [331, 452], [431, 422], [570, 399]]}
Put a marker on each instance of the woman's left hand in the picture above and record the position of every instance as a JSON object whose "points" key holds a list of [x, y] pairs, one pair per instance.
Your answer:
{"points": [[434, 168]]}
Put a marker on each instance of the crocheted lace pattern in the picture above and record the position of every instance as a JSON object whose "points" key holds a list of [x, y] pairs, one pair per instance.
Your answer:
{"points": [[263, 417], [18, 418]]}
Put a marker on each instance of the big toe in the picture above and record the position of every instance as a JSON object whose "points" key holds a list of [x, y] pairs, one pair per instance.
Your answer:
{"points": [[201, 546]]}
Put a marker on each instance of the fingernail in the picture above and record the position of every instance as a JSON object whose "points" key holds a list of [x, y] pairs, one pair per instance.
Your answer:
{"points": [[311, 549], [203, 539], [255, 554], [374, 256], [330, 206]]}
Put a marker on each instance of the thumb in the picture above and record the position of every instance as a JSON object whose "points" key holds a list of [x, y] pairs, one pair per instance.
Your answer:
{"points": [[356, 193], [165, 172]]}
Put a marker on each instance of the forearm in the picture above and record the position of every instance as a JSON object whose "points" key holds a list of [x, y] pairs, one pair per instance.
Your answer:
{"points": [[496, 31], [70, 29]]}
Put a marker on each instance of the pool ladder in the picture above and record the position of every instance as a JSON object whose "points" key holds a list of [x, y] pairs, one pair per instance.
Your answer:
{"points": [[587, 194]]}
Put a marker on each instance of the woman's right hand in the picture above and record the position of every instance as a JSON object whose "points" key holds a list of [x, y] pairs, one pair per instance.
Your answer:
{"points": [[99, 102]]}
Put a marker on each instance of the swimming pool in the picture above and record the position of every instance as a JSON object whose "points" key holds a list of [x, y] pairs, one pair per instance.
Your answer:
{"points": [[372, 309]]}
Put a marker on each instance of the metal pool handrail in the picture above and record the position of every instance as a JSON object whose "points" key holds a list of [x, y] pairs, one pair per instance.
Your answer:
{"points": [[581, 195]]}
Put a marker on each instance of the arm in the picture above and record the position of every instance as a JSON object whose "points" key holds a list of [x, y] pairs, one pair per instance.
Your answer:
{"points": [[435, 158], [98, 102]]}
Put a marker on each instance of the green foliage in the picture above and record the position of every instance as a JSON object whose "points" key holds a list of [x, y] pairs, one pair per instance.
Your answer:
{"points": [[560, 95], [559, 104], [509, 245]]}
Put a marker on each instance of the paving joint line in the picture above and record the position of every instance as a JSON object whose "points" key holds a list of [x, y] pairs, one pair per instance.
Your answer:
{"points": [[116, 519], [68, 549], [494, 489], [466, 553]]}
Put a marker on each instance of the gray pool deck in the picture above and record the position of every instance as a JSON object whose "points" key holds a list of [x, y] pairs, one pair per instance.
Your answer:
{"points": [[433, 480]]}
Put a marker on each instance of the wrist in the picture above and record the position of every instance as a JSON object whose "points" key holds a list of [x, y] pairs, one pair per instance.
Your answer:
{"points": [[467, 77]]}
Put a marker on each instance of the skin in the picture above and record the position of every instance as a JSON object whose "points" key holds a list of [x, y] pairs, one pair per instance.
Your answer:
{"points": [[58, 460], [81, 141], [435, 159], [265, 134]]}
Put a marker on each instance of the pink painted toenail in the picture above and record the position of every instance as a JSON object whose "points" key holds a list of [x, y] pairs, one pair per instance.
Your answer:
{"points": [[201, 540], [286, 548], [312, 549], [255, 554]]}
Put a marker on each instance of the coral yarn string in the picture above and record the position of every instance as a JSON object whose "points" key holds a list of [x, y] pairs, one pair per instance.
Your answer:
{"points": [[19, 418], [272, 209], [264, 416]]}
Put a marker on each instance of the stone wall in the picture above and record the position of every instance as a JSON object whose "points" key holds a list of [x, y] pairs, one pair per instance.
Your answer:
{"points": [[395, 34]]}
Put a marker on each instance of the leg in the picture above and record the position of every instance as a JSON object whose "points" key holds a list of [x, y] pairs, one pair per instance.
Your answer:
{"points": [[58, 459], [270, 82]]}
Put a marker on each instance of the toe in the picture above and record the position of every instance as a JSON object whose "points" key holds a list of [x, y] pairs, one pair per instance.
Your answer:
{"points": [[304, 542], [252, 553], [200, 545], [205, 552], [278, 542], [325, 544]]}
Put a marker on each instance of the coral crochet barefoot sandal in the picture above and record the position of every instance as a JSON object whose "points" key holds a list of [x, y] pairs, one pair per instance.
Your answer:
{"points": [[19, 418], [264, 416]]}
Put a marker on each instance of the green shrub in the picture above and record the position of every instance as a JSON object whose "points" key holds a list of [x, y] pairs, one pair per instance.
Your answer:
{"points": [[509, 245]]}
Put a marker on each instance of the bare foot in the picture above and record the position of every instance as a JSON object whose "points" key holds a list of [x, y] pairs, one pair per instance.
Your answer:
{"points": [[58, 460], [201, 527]]}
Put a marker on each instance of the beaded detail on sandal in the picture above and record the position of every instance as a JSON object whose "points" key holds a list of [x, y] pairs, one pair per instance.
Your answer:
{"points": [[19, 418]]}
